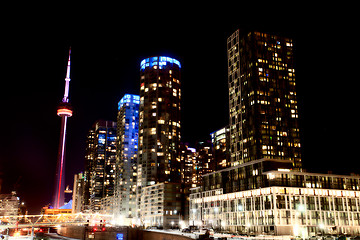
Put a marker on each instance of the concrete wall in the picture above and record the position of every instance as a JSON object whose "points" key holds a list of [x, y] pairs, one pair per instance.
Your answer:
{"points": [[72, 231], [148, 235], [110, 233], [78, 232]]}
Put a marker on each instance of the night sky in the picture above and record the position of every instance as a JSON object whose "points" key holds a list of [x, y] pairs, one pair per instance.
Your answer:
{"points": [[106, 54]]}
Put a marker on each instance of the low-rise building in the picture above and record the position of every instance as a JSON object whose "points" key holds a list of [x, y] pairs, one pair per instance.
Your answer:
{"points": [[161, 205], [9, 204], [266, 196]]}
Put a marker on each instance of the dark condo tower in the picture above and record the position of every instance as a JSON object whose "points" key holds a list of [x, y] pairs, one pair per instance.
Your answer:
{"points": [[262, 98]]}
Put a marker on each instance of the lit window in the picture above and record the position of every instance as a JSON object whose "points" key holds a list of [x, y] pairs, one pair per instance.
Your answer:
{"points": [[153, 131]]}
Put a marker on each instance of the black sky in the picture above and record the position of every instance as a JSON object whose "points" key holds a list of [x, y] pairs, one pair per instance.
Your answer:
{"points": [[106, 54]]}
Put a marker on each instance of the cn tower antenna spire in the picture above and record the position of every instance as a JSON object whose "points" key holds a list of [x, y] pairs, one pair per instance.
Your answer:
{"points": [[67, 79], [64, 111]]}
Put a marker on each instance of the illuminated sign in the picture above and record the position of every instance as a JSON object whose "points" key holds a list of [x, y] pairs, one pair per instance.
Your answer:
{"points": [[129, 98], [160, 62]]}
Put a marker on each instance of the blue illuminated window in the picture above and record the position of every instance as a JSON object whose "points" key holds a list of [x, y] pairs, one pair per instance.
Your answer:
{"points": [[111, 138], [101, 139], [158, 61], [129, 98]]}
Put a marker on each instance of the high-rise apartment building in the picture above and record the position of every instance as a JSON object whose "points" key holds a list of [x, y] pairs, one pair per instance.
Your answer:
{"points": [[89, 161], [262, 98], [126, 158], [159, 128], [100, 163]]}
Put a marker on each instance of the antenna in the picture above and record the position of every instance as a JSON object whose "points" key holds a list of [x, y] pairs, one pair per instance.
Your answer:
{"points": [[67, 79]]}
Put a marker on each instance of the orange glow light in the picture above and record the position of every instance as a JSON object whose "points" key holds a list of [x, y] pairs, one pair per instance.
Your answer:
{"points": [[64, 111]]}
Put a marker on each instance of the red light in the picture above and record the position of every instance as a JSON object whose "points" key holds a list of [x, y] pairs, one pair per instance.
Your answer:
{"points": [[94, 229], [103, 229]]}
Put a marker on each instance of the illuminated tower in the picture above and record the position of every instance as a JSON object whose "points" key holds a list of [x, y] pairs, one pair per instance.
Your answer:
{"points": [[159, 116], [64, 111], [127, 149], [159, 141]]}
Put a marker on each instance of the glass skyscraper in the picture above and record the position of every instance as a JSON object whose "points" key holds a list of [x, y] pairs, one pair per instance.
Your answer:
{"points": [[127, 149], [262, 98], [100, 163]]}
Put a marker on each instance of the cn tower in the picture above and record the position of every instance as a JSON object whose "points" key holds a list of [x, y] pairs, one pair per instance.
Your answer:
{"points": [[64, 111]]}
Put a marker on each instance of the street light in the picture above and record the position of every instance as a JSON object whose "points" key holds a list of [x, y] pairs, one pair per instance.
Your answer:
{"points": [[194, 216]]}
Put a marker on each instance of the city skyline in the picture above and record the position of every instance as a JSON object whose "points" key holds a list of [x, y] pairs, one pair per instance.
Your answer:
{"points": [[93, 100]]}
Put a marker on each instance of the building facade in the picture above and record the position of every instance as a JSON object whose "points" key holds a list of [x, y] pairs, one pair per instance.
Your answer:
{"points": [[262, 98], [159, 122], [78, 193], [9, 204], [220, 140], [265, 196], [126, 158], [89, 162], [100, 163], [161, 205]]}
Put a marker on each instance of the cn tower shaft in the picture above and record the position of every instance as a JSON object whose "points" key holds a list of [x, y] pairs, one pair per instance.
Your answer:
{"points": [[60, 169], [64, 111]]}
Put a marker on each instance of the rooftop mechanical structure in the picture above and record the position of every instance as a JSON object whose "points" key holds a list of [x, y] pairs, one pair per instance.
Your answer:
{"points": [[64, 111]]}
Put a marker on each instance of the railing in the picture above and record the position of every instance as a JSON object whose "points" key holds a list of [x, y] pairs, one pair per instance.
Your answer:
{"points": [[24, 221]]}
